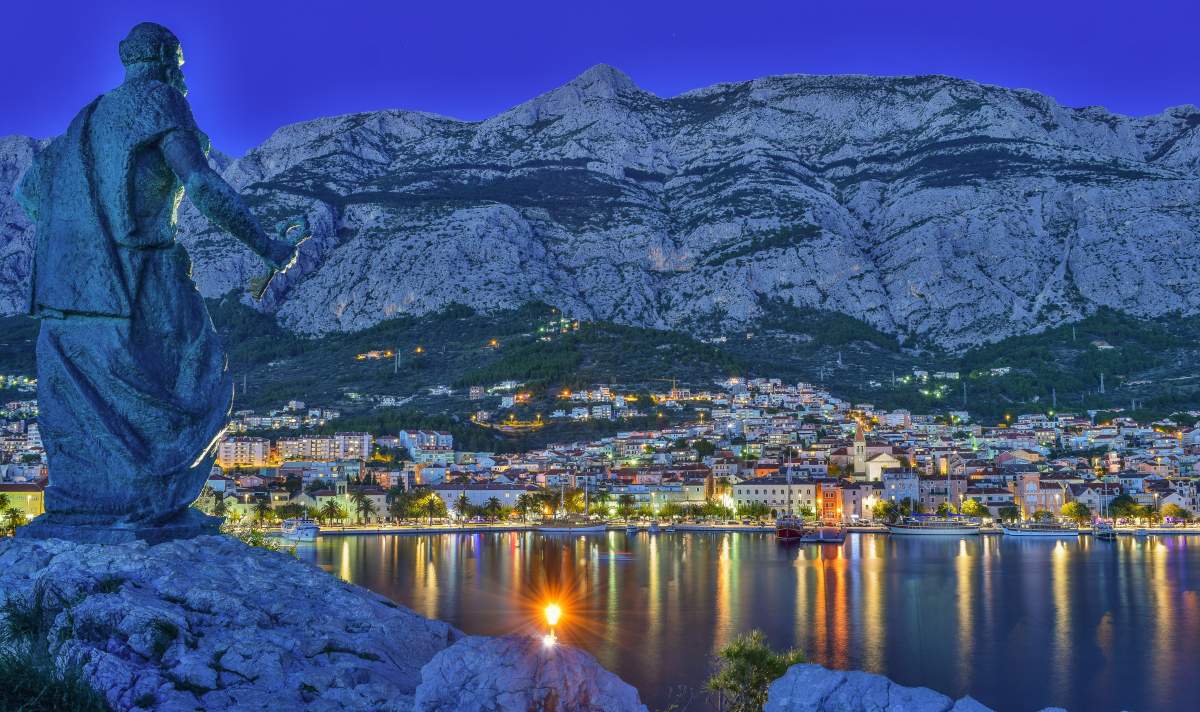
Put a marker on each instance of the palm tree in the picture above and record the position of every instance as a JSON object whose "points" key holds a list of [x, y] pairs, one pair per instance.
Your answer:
{"points": [[525, 502], [462, 506], [433, 506], [493, 507], [262, 510], [13, 518], [331, 510], [358, 500], [366, 508]]}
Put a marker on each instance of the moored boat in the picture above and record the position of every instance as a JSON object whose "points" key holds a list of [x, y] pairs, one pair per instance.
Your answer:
{"points": [[302, 529], [935, 526], [1104, 532], [789, 528], [1042, 529]]}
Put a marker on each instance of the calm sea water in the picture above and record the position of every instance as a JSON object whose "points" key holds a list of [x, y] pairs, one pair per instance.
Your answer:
{"points": [[1018, 624]]}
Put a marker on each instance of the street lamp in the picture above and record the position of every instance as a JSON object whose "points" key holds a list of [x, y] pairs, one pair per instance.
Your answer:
{"points": [[553, 613]]}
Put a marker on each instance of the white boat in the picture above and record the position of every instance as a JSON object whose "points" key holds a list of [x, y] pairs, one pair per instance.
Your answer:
{"points": [[1104, 532], [1043, 529], [653, 528], [303, 529], [922, 526], [631, 529]]}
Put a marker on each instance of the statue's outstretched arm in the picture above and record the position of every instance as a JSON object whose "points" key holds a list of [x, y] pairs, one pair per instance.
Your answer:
{"points": [[219, 202]]}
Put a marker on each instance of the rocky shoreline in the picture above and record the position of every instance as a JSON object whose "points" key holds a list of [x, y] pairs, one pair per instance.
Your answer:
{"points": [[213, 624]]}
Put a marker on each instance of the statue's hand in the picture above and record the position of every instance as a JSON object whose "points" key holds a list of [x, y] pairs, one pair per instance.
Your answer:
{"points": [[281, 253]]}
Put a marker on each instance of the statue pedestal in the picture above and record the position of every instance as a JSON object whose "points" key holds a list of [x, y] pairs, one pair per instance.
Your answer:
{"points": [[192, 523]]}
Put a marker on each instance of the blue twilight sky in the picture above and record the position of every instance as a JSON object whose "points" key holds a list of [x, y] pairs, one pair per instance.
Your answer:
{"points": [[253, 66]]}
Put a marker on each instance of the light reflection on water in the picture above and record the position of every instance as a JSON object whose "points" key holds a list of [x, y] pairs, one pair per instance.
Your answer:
{"points": [[1018, 624]]}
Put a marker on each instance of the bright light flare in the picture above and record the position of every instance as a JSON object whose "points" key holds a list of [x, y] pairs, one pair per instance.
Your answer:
{"points": [[553, 613]]}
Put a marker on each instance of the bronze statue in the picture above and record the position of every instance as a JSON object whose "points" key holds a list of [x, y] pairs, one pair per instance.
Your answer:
{"points": [[133, 390]]}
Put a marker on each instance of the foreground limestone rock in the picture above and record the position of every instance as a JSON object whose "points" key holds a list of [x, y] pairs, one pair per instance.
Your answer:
{"points": [[812, 688], [520, 673], [214, 624]]}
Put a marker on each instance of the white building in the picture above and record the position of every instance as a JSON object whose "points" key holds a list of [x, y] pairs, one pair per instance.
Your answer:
{"points": [[244, 452]]}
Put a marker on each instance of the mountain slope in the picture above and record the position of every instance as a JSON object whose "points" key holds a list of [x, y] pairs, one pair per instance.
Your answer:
{"points": [[937, 209]]}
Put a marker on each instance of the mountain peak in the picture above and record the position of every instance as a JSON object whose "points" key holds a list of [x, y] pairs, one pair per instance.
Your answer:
{"points": [[605, 81]]}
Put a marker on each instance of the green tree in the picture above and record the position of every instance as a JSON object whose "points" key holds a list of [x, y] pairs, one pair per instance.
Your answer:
{"points": [[399, 503], [703, 447], [262, 510], [1123, 506], [754, 510], [746, 667], [973, 508], [525, 504], [462, 506], [365, 508], [493, 507], [1077, 512], [219, 507], [332, 511], [13, 518], [1009, 513], [625, 506], [3, 502], [885, 511], [1174, 511], [600, 501], [432, 506], [291, 510], [1042, 515], [944, 509]]}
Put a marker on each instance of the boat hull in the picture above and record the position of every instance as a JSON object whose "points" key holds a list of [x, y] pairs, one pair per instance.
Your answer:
{"points": [[909, 530], [1044, 533]]}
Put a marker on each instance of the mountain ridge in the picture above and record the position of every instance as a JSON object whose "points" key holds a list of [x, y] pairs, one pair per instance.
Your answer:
{"points": [[942, 210]]}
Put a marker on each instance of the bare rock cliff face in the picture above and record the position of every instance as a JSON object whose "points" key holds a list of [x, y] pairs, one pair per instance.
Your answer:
{"points": [[952, 211]]}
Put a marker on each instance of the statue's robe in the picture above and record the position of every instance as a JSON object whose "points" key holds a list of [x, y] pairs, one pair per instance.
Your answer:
{"points": [[133, 390]]}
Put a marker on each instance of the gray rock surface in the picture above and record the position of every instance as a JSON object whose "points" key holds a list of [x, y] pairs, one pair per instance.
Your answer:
{"points": [[522, 674], [954, 211], [211, 623], [812, 688]]}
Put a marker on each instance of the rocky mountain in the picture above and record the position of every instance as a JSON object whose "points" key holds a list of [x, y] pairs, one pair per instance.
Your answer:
{"points": [[939, 209]]}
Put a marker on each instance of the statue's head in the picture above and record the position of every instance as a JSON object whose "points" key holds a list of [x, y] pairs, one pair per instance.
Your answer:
{"points": [[153, 46]]}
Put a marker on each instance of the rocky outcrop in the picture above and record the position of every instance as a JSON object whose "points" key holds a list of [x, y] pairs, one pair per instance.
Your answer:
{"points": [[520, 673], [929, 206], [812, 688], [210, 623]]}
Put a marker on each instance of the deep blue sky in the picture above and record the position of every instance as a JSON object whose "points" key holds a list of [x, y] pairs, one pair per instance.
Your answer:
{"points": [[254, 66]]}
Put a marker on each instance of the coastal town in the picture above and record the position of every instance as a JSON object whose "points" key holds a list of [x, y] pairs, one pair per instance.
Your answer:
{"points": [[756, 450]]}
